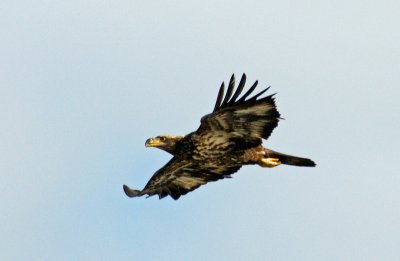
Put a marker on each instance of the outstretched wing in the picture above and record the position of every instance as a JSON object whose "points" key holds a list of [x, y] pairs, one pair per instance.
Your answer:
{"points": [[178, 177], [243, 121]]}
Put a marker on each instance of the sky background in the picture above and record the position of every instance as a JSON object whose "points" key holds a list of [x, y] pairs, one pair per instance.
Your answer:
{"points": [[84, 83]]}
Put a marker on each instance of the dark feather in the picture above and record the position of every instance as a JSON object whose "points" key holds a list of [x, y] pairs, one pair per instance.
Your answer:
{"points": [[248, 92], [258, 95], [220, 96], [229, 91], [238, 90]]}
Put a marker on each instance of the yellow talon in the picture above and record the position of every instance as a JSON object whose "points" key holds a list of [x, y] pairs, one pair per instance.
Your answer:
{"points": [[269, 162]]}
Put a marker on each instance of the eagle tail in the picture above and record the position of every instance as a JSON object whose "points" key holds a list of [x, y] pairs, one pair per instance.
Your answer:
{"points": [[290, 160]]}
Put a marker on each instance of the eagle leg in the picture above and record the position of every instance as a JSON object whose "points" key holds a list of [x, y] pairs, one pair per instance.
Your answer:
{"points": [[269, 162]]}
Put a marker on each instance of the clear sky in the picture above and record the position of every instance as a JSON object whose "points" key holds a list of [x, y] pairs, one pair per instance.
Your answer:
{"points": [[84, 83]]}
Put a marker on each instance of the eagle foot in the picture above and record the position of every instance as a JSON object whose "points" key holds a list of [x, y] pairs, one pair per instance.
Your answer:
{"points": [[269, 162]]}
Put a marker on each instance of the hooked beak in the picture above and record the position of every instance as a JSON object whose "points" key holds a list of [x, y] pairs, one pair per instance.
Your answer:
{"points": [[153, 142]]}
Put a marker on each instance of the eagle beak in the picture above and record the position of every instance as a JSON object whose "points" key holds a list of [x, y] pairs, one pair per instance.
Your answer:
{"points": [[153, 142]]}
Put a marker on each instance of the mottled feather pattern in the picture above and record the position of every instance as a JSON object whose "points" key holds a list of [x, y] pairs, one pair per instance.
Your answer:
{"points": [[218, 148]]}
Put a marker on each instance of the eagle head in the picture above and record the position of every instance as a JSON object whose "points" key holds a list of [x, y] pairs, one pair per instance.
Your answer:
{"points": [[164, 142]]}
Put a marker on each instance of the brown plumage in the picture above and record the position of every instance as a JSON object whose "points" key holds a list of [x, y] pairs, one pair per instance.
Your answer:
{"points": [[228, 138]]}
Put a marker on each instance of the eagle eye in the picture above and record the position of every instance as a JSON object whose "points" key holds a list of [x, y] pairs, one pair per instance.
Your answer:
{"points": [[162, 139]]}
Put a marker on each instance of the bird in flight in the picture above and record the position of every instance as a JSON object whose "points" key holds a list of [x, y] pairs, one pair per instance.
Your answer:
{"points": [[228, 138]]}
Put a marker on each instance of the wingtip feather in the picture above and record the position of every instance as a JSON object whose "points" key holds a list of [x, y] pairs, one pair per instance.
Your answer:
{"points": [[239, 89], [131, 192], [249, 91], [229, 91], [220, 96]]}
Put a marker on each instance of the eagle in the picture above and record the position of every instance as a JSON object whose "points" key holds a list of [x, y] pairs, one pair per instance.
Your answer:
{"points": [[228, 138]]}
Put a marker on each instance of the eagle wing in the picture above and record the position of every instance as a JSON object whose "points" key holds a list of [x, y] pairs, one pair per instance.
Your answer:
{"points": [[238, 121], [178, 177]]}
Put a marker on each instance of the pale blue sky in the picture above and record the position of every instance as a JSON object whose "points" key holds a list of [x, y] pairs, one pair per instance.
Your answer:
{"points": [[84, 83]]}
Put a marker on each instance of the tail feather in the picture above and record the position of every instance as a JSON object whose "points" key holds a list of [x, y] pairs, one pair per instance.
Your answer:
{"points": [[290, 160]]}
